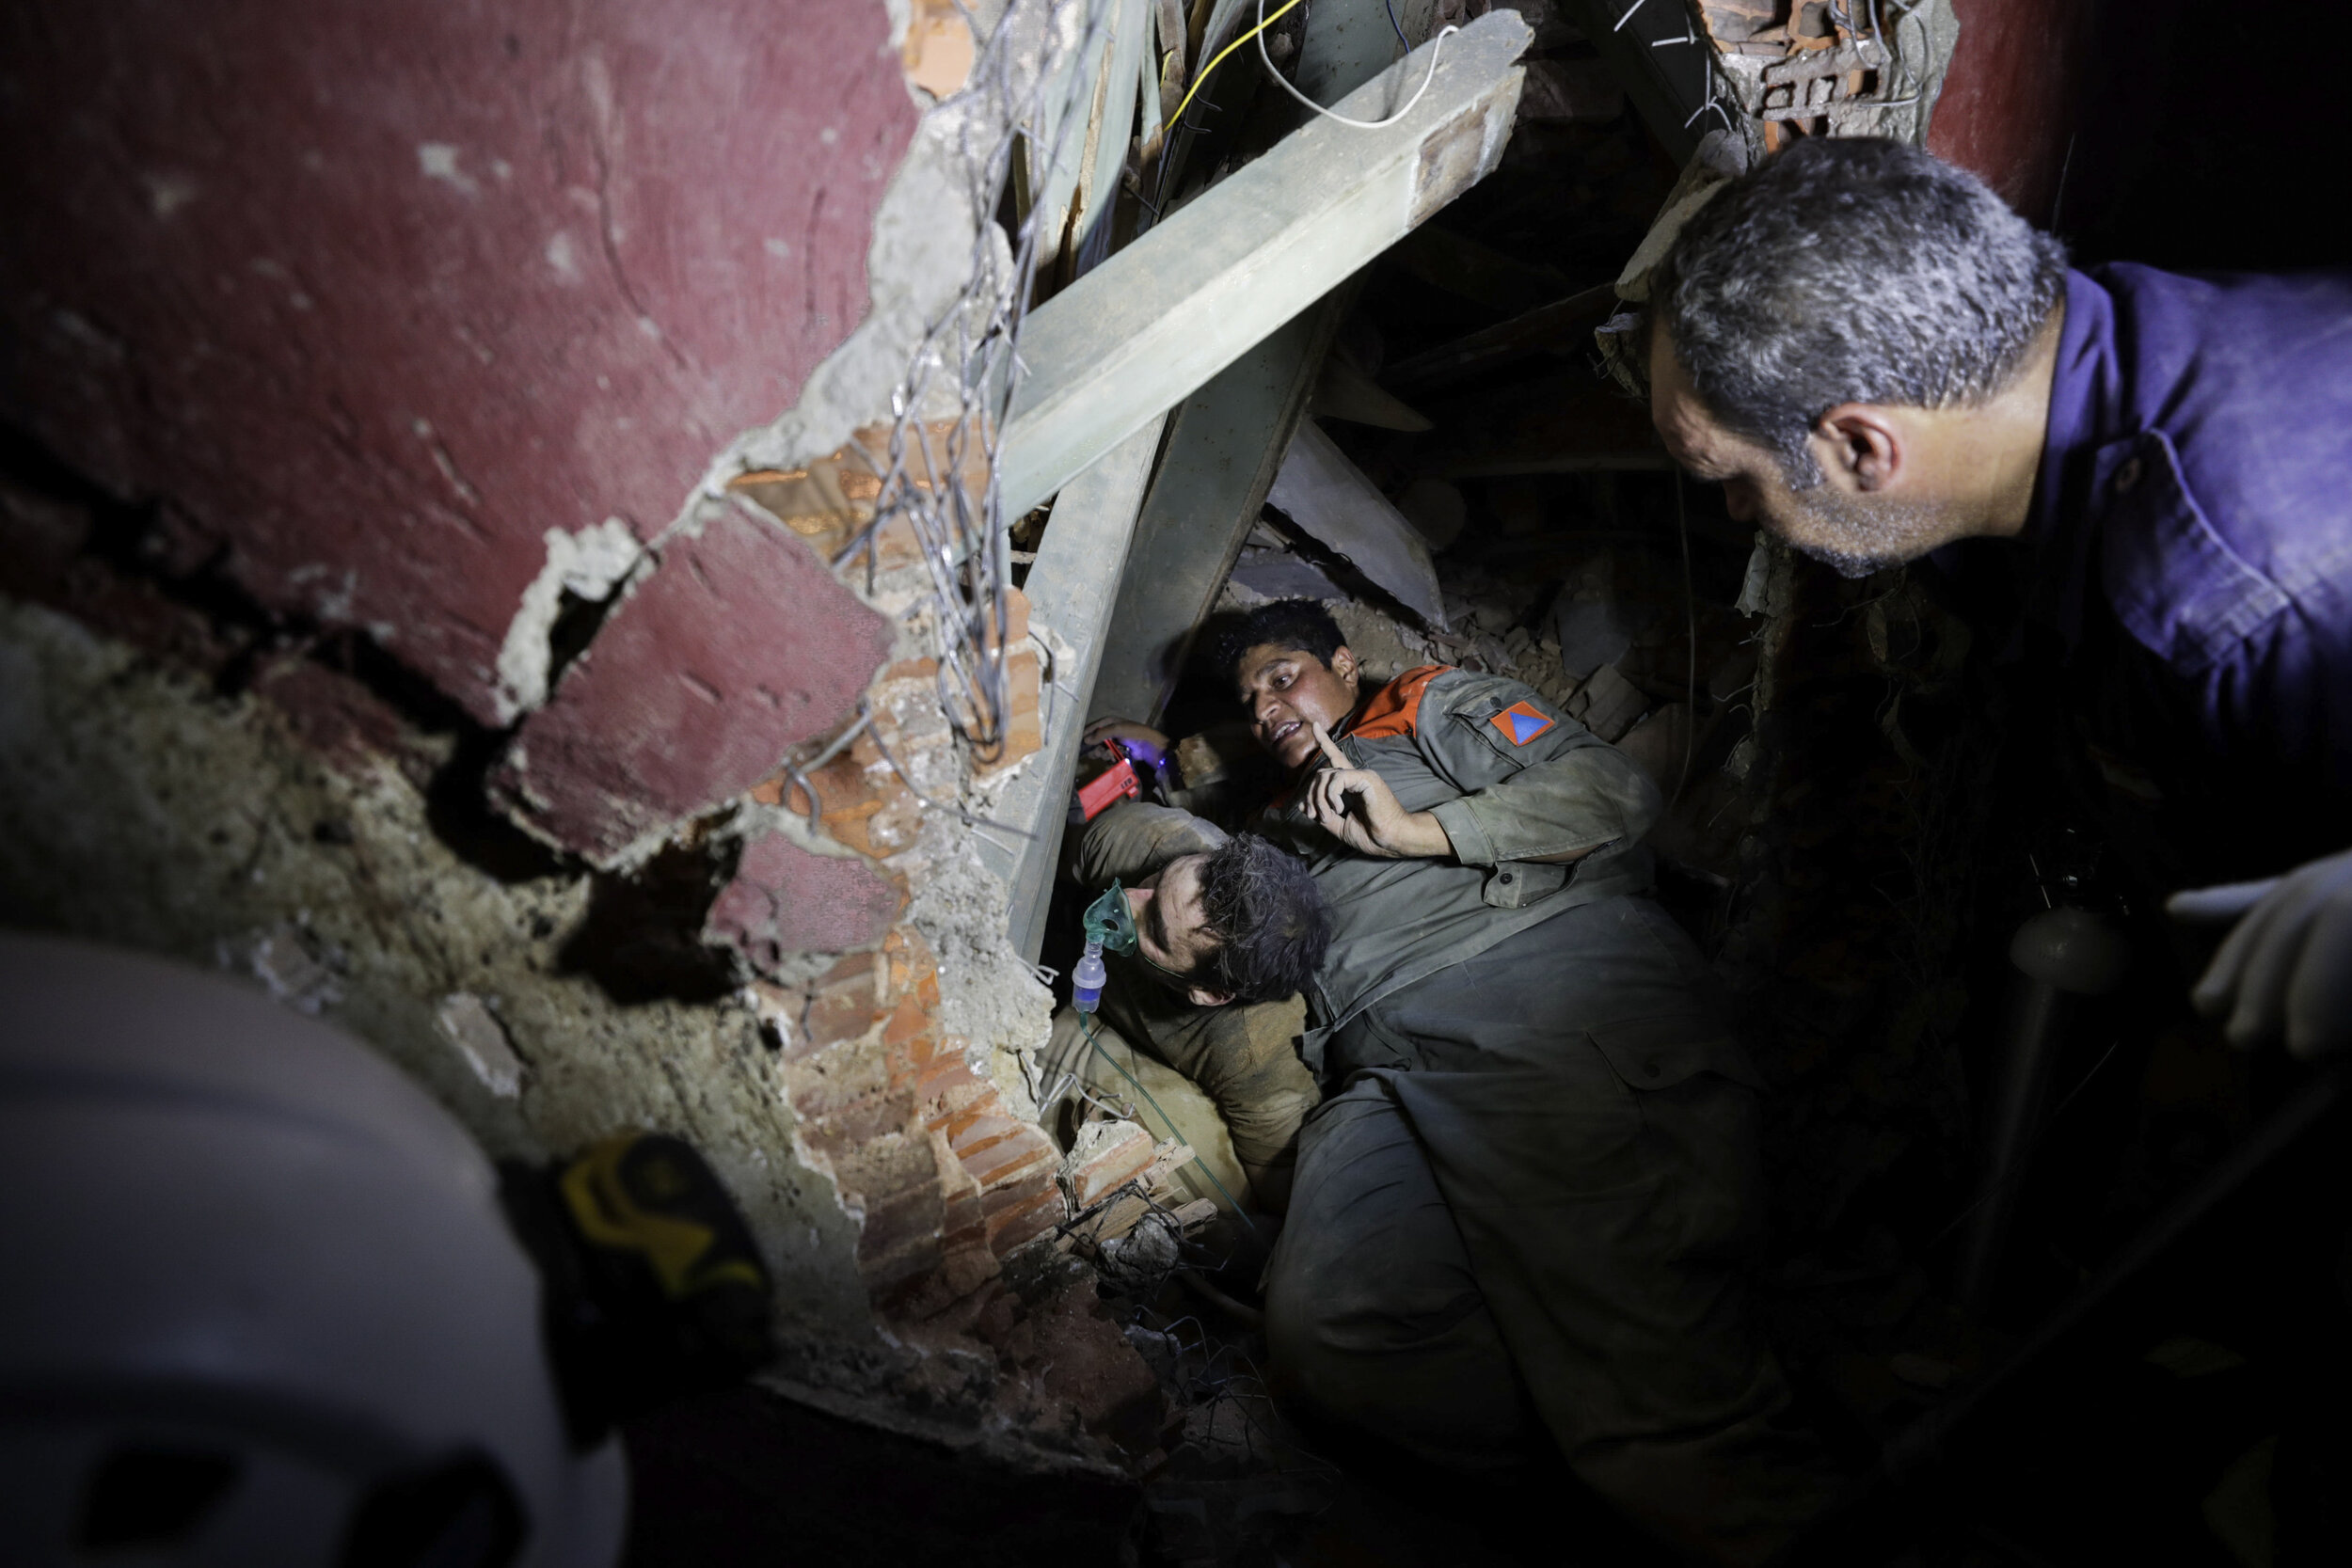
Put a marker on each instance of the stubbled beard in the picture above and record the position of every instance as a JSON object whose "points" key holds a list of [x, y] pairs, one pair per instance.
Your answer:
{"points": [[1848, 564], [1889, 532]]}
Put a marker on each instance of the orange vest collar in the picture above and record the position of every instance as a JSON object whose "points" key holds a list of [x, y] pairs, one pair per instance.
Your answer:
{"points": [[1395, 708]]}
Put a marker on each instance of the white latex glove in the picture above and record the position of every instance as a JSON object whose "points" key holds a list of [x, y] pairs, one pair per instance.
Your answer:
{"points": [[2287, 966]]}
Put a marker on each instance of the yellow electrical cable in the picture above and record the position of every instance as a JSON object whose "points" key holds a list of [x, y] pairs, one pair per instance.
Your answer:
{"points": [[1178, 118]]}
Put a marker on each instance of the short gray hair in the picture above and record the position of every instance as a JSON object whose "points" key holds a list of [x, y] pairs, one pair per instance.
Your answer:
{"points": [[1851, 270]]}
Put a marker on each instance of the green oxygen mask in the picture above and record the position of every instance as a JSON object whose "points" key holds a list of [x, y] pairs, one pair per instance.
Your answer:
{"points": [[1109, 923]]}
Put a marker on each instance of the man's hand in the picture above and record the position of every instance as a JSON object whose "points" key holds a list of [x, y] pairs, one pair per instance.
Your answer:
{"points": [[1377, 825], [2287, 966], [1104, 731]]}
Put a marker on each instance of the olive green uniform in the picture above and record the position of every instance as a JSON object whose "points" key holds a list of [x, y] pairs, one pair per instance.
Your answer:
{"points": [[1246, 1058], [1529, 1207]]}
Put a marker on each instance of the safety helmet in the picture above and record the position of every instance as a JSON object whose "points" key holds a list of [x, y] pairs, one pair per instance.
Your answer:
{"points": [[259, 1303]]}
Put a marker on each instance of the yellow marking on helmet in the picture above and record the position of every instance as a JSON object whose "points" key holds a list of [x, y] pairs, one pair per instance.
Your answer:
{"points": [[610, 1217]]}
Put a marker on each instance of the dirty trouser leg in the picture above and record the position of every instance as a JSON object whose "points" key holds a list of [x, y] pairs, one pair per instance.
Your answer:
{"points": [[1243, 1055], [1178, 1107], [1373, 1317], [1574, 1099]]}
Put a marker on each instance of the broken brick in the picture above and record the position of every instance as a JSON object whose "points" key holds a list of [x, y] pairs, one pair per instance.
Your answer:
{"points": [[1107, 1156], [1027, 1221], [783, 899], [737, 647]]}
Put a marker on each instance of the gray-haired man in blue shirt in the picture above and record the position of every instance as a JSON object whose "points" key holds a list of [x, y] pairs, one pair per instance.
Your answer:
{"points": [[1879, 360]]}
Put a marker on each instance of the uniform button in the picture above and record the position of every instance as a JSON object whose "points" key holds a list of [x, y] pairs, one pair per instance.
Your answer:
{"points": [[1650, 1070], [2127, 476], [1504, 878]]}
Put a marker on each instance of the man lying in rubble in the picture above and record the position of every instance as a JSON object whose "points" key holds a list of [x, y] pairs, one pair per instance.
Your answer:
{"points": [[1230, 931], [2140, 480], [1528, 1206]]}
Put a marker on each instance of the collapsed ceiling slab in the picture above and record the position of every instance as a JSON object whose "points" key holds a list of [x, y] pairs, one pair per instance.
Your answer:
{"points": [[1329, 498]]}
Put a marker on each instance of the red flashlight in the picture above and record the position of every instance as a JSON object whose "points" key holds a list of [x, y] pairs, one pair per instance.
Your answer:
{"points": [[1108, 788]]}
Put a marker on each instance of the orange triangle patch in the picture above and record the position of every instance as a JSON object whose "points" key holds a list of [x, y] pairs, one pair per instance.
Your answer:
{"points": [[1522, 723]]}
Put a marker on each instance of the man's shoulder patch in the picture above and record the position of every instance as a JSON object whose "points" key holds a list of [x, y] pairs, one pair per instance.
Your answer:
{"points": [[1522, 723]]}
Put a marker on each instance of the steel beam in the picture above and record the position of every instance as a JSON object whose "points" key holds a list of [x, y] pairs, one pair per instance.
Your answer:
{"points": [[1158, 320], [1225, 445], [1070, 587]]}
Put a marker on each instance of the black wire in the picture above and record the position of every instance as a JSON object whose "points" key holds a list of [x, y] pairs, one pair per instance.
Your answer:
{"points": [[1395, 23]]}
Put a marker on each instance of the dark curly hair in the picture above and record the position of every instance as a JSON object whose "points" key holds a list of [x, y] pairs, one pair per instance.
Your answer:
{"points": [[1300, 624], [1269, 918]]}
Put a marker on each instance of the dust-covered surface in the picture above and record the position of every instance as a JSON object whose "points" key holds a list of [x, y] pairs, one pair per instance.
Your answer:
{"points": [[987, 995], [139, 808]]}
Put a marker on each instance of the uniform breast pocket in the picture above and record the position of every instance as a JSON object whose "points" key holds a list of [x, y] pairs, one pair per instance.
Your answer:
{"points": [[1516, 884], [1661, 1052]]}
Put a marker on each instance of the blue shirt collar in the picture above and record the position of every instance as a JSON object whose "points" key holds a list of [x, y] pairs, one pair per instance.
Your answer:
{"points": [[2082, 401]]}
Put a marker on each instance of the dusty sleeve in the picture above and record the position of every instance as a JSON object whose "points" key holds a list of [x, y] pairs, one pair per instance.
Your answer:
{"points": [[1560, 789], [1244, 1058], [1132, 840]]}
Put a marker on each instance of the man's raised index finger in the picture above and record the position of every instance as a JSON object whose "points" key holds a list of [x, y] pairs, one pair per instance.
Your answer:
{"points": [[1331, 753]]}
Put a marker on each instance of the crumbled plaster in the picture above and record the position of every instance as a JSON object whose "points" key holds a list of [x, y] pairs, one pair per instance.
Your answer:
{"points": [[291, 964], [480, 1040], [919, 263], [919, 259], [138, 809], [987, 995], [591, 564]]}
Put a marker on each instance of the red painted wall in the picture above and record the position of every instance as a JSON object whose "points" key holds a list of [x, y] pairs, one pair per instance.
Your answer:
{"points": [[2013, 98], [373, 294]]}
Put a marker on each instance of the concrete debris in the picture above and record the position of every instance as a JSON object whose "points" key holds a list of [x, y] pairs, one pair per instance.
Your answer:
{"points": [[1553, 28], [1170, 1158], [1383, 645], [784, 899], [120, 764], [1139, 1262], [295, 966], [1721, 158], [1122, 1206], [469, 1025], [1347, 393], [1277, 574], [1115, 1218], [939, 47], [1590, 632], [589, 566], [1327, 496], [1754, 583], [737, 647], [1608, 704], [1215, 753], [1105, 1156]]}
